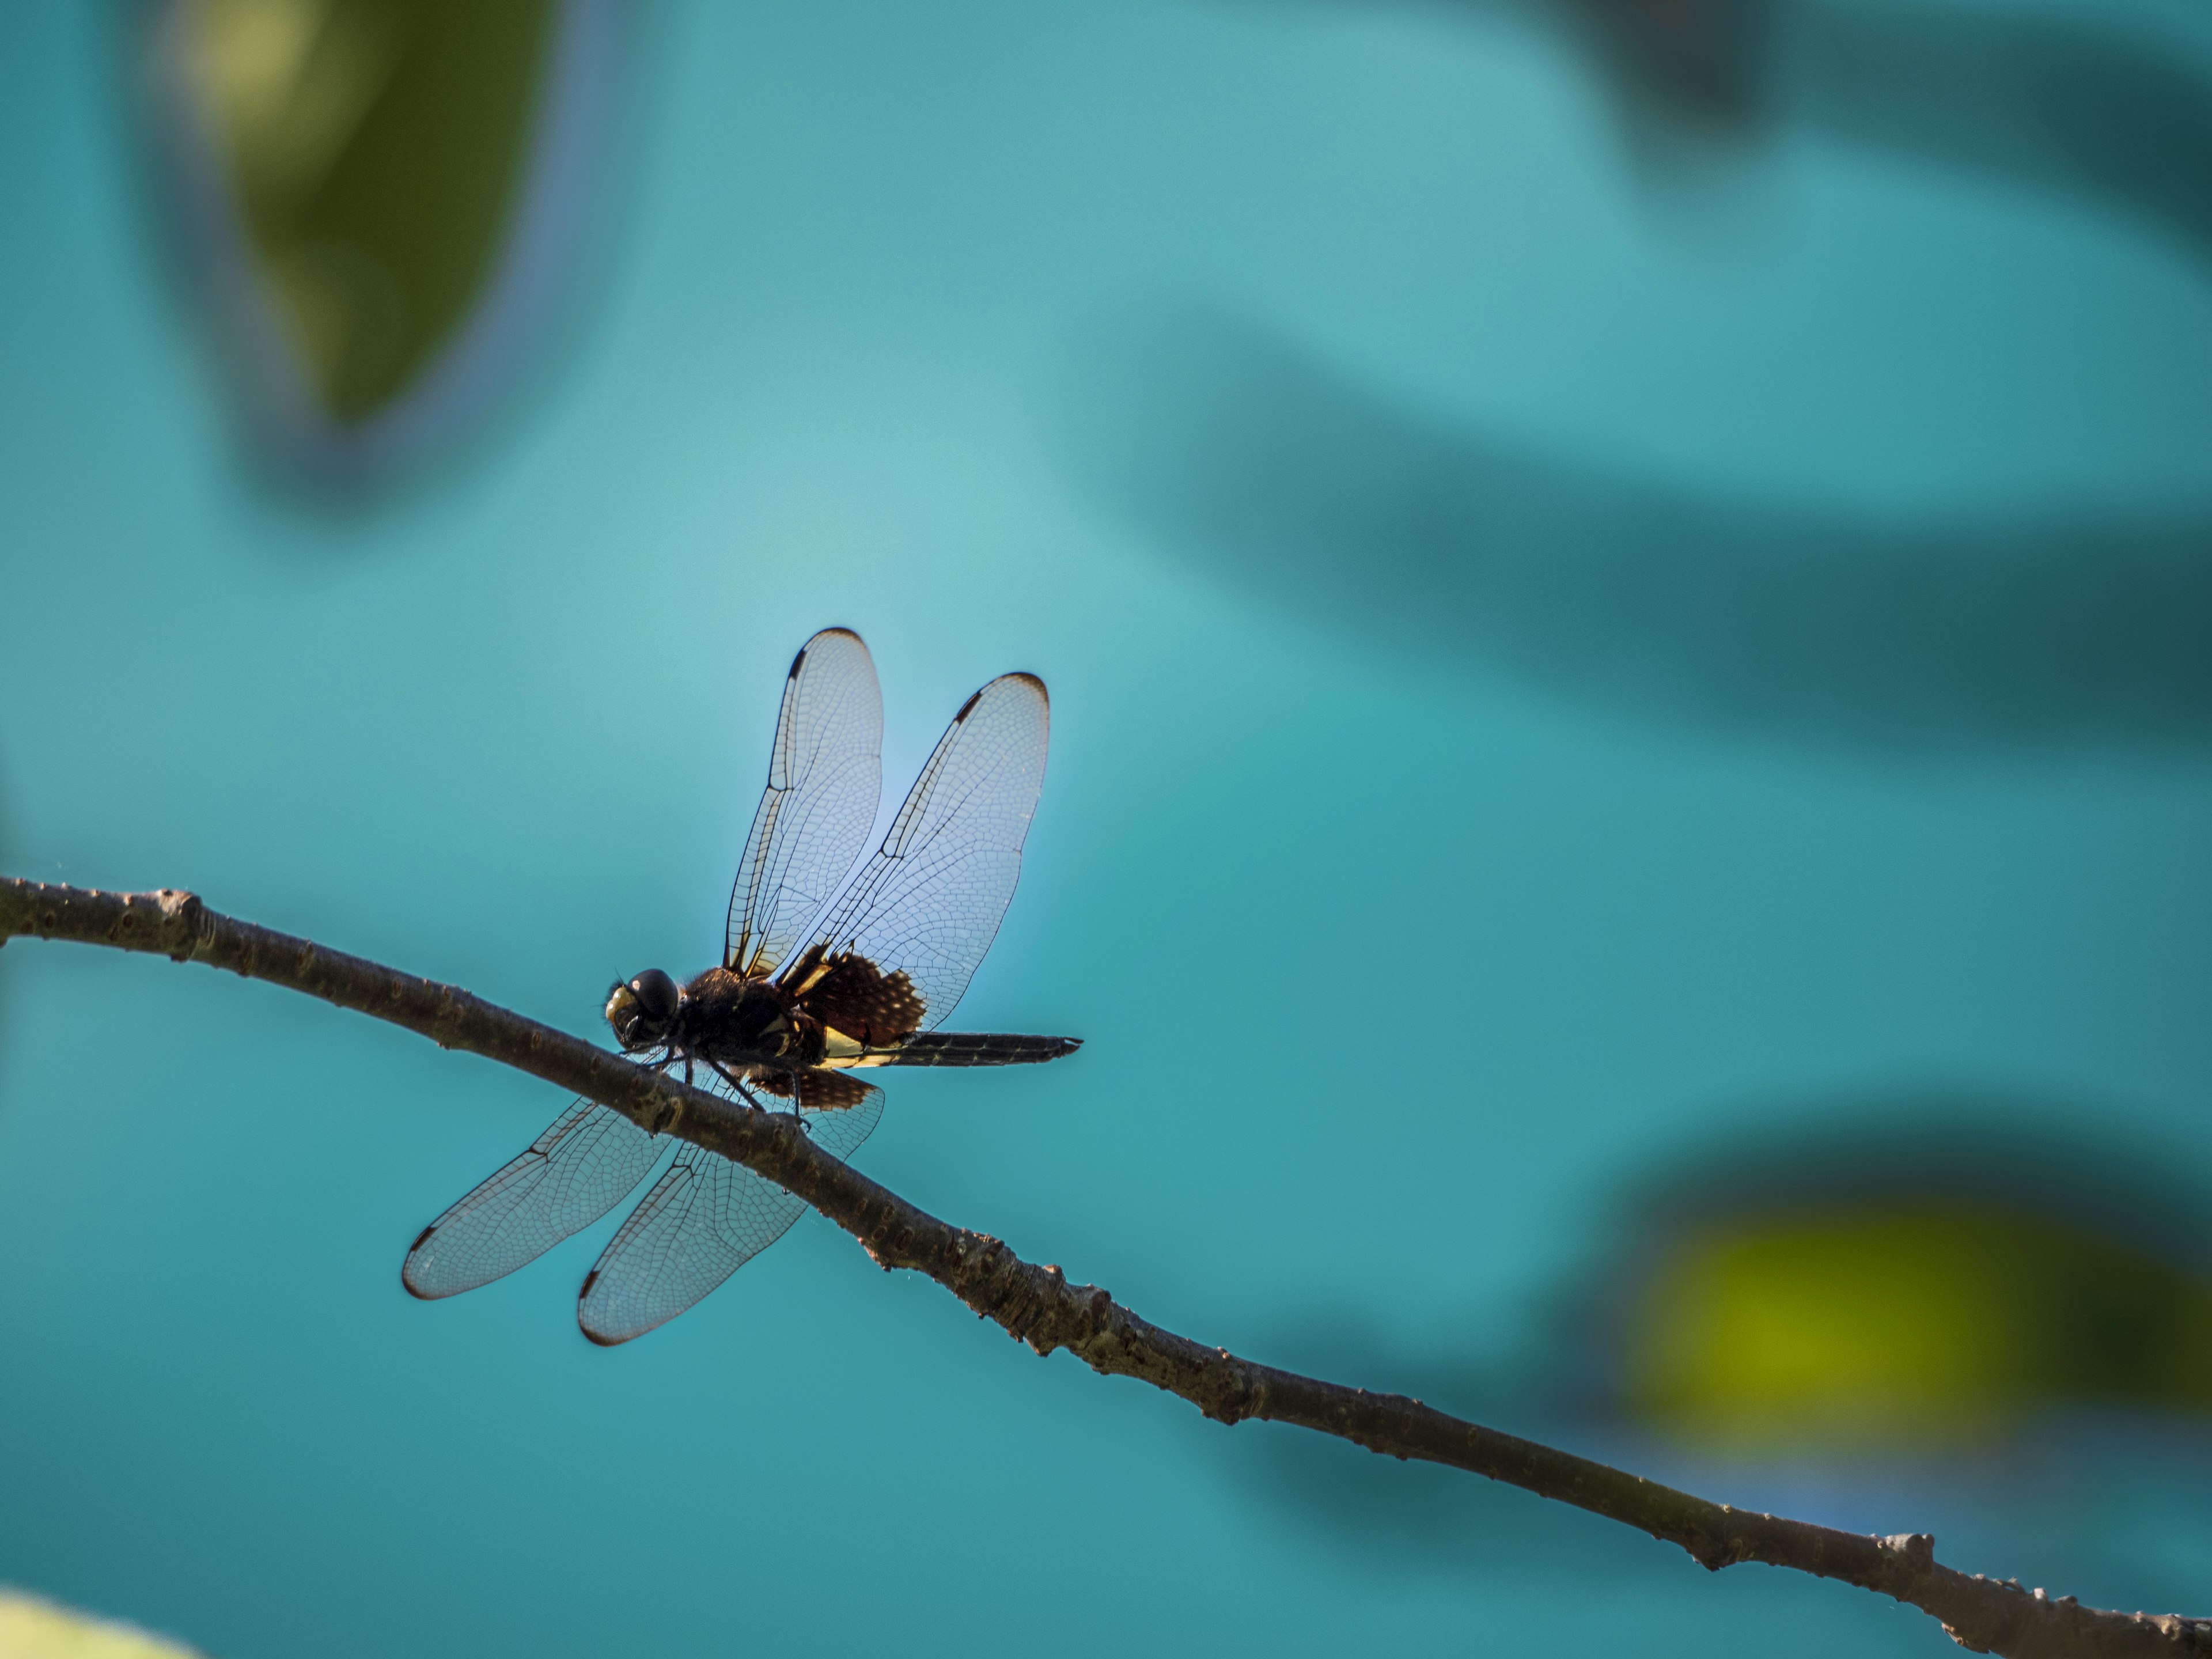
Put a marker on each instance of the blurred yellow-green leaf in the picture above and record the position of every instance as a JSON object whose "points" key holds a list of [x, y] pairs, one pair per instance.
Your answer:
{"points": [[1918, 1319], [34, 1628]]}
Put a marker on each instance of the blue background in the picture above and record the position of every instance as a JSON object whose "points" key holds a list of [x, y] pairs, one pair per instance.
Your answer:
{"points": [[1397, 950]]}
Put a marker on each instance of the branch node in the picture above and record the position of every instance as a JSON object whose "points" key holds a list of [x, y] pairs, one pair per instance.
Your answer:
{"points": [[1915, 1549], [186, 925]]}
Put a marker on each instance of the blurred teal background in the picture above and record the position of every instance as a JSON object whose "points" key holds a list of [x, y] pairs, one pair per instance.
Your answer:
{"points": [[1565, 658]]}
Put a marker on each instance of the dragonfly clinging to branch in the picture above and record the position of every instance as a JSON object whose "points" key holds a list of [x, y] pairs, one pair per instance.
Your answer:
{"points": [[822, 977]]}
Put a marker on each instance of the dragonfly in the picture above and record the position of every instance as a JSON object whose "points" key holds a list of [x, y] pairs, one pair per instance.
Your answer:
{"points": [[827, 972]]}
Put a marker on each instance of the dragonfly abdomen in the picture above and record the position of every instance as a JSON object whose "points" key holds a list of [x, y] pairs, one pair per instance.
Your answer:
{"points": [[977, 1048]]}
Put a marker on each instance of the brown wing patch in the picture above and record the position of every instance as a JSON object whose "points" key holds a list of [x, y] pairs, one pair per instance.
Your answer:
{"points": [[801, 974], [818, 1091], [831, 1092], [853, 996]]}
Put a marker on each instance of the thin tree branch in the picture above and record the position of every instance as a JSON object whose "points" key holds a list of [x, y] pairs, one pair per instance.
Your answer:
{"points": [[1039, 1306]]}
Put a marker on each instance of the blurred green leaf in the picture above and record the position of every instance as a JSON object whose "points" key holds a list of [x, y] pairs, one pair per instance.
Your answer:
{"points": [[1912, 1319], [374, 150]]}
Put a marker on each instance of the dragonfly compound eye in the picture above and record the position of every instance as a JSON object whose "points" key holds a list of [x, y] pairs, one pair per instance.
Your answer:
{"points": [[656, 995]]}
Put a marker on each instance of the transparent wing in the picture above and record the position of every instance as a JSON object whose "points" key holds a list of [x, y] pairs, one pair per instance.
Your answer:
{"points": [[581, 1168], [707, 1217], [824, 778], [929, 904]]}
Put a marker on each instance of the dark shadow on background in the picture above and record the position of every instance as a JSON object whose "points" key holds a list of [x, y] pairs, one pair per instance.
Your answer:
{"points": [[1576, 1386], [1420, 1519], [1268, 470], [2048, 104], [1963, 1146], [2062, 106]]}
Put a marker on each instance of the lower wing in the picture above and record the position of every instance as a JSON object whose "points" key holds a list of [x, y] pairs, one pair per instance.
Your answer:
{"points": [[707, 1217], [586, 1162]]}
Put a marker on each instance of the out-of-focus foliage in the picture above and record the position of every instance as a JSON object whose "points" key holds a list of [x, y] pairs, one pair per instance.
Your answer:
{"points": [[373, 150], [1931, 1277], [1918, 1321], [34, 1628]]}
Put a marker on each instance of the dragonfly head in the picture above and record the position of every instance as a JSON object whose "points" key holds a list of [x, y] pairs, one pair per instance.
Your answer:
{"points": [[643, 1011]]}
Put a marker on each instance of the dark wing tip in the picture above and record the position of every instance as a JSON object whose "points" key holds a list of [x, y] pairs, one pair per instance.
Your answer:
{"points": [[407, 1268], [584, 1325], [1023, 676], [818, 637]]}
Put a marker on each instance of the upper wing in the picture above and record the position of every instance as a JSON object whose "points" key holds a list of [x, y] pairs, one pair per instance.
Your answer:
{"points": [[824, 778], [573, 1174], [926, 906], [707, 1217]]}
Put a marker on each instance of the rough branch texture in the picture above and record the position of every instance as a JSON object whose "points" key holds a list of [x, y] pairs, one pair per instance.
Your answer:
{"points": [[1040, 1307]]}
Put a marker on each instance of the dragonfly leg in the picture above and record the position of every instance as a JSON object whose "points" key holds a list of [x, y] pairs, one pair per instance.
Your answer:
{"points": [[737, 1087], [795, 1112]]}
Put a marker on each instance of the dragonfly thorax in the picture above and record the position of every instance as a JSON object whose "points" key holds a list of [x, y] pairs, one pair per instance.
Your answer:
{"points": [[744, 1021]]}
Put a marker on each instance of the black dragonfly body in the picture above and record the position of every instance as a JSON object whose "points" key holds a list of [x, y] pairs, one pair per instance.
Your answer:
{"points": [[822, 978]]}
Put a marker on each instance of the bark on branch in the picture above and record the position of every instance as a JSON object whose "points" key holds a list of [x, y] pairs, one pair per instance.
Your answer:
{"points": [[1038, 1304]]}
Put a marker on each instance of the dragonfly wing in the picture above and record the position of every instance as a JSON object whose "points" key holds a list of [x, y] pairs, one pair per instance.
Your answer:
{"points": [[824, 778], [704, 1220], [907, 934], [581, 1168], [707, 1217]]}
